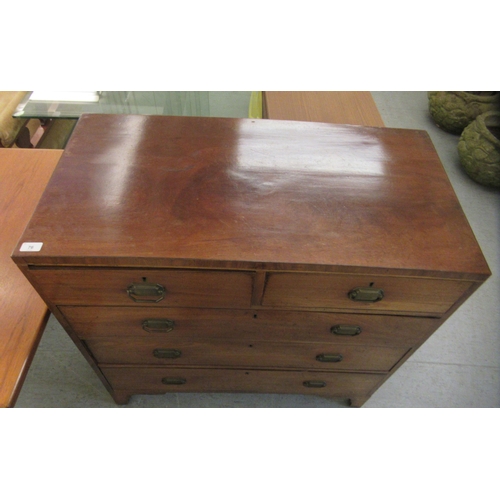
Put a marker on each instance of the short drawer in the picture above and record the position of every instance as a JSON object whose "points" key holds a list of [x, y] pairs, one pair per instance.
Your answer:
{"points": [[225, 353], [141, 287], [182, 324], [159, 380], [331, 291]]}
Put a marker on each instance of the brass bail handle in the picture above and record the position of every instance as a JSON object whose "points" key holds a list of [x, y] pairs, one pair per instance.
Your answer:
{"points": [[146, 292]]}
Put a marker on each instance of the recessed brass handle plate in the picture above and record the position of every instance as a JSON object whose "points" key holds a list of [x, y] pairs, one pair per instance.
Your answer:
{"points": [[157, 325], [146, 292], [329, 358], [167, 353], [366, 294], [314, 384], [173, 380], [349, 330]]}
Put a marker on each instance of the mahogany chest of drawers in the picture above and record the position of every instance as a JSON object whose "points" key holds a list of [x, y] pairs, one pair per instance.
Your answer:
{"points": [[216, 254]]}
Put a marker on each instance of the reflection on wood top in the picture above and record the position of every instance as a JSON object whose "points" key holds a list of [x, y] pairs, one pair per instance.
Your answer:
{"points": [[276, 194]]}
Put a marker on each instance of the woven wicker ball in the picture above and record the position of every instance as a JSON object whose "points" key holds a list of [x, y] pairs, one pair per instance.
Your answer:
{"points": [[453, 111], [479, 149]]}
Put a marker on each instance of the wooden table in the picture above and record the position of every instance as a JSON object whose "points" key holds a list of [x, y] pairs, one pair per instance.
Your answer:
{"points": [[352, 108], [23, 176]]}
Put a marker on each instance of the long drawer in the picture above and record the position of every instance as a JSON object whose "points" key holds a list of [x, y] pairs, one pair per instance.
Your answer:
{"points": [[226, 353], [137, 287], [181, 324], [160, 380], [345, 291]]}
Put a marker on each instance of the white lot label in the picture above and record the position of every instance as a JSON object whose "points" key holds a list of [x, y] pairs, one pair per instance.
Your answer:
{"points": [[31, 247]]}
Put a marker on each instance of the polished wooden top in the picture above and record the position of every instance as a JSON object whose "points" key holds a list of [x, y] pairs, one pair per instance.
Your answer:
{"points": [[186, 191], [23, 176], [350, 108]]}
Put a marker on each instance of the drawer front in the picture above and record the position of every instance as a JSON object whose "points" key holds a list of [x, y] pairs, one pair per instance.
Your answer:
{"points": [[225, 353], [161, 380], [330, 291], [140, 287], [181, 324]]}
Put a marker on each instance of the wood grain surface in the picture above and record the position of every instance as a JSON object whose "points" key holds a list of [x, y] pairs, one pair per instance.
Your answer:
{"points": [[353, 108], [94, 286], [246, 324], [141, 380], [409, 295], [257, 354], [23, 177], [200, 191]]}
